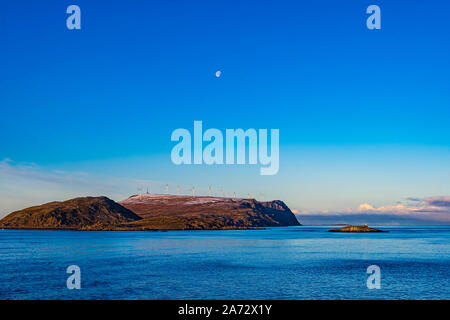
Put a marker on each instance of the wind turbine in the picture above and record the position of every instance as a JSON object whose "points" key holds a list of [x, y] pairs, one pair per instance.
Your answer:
{"points": [[167, 188], [178, 189]]}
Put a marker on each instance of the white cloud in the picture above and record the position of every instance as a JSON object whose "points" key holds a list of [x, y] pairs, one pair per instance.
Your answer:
{"points": [[429, 210], [440, 204]]}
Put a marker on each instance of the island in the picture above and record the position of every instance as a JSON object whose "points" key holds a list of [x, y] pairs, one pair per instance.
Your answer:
{"points": [[150, 212], [356, 229]]}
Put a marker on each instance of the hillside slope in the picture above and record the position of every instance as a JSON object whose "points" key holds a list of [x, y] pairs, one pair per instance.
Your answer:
{"points": [[87, 213]]}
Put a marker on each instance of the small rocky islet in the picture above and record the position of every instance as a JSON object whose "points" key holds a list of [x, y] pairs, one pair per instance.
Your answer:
{"points": [[356, 229]]}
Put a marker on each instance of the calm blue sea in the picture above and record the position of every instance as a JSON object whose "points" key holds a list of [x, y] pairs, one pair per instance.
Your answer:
{"points": [[278, 263]]}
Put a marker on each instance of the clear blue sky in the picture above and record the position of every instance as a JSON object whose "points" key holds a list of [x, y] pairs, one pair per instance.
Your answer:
{"points": [[364, 115]]}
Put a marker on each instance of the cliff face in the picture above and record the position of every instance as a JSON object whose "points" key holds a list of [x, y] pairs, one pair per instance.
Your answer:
{"points": [[152, 212], [185, 212], [89, 213]]}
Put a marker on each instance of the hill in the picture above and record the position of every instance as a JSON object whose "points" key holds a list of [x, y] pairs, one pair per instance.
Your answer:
{"points": [[88, 213], [201, 212]]}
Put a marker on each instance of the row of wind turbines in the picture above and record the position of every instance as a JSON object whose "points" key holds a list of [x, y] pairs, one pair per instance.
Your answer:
{"points": [[222, 194]]}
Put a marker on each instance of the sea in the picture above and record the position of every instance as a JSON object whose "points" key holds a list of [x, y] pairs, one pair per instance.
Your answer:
{"points": [[304, 262]]}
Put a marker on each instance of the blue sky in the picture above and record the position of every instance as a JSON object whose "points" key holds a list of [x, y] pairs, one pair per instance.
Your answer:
{"points": [[364, 115]]}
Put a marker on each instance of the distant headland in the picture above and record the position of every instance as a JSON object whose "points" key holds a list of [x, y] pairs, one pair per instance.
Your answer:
{"points": [[150, 212]]}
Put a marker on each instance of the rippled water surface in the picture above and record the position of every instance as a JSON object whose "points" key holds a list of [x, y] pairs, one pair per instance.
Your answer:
{"points": [[278, 263]]}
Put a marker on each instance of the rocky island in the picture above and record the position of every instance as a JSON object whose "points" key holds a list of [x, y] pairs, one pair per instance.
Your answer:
{"points": [[152, 212], [356, 229]]}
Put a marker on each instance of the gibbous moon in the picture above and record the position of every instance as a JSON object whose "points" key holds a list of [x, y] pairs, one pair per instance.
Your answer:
{"points": [[218, 73]]}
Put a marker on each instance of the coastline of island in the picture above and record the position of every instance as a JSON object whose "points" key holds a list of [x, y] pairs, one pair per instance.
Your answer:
{"points": [[150, 212]]}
